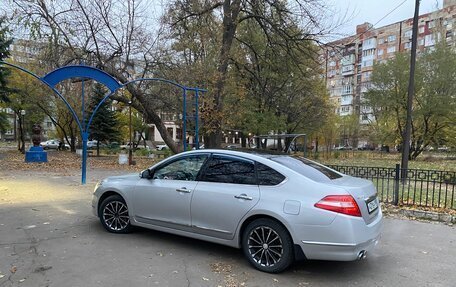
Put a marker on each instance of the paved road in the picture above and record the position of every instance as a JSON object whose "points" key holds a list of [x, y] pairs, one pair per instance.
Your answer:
{"points": [[48, 237]]}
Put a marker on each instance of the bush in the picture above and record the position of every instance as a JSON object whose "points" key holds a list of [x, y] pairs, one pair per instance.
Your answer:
{"points": [[142, 152]]}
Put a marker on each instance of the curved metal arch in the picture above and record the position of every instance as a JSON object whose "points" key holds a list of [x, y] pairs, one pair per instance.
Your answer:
{"points": [[75, 116], [82, 71]]}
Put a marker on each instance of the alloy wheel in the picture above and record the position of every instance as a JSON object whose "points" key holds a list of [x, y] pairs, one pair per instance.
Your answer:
{"points": [[115, 215], [265, 246]]}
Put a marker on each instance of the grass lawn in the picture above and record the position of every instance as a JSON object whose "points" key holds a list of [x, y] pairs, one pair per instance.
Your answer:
{"points": [[433, 161]]}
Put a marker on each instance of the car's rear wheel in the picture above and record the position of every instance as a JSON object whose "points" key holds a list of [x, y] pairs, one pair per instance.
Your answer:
{"points": [[114, 216], [267, 245]]}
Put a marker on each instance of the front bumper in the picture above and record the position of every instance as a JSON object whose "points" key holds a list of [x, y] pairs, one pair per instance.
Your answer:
{"points": [[343, 240], [95, 199]]}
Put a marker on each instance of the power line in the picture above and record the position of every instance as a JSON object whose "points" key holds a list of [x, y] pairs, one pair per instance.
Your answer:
{"points": [[381, 19]]}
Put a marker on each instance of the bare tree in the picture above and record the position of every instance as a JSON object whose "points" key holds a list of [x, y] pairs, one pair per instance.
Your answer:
{"points": [[111, 35]]}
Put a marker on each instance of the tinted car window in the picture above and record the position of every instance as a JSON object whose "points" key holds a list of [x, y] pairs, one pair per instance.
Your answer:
{"points": [[228, 169], [182, 169], [307, 168], [268, 176]]}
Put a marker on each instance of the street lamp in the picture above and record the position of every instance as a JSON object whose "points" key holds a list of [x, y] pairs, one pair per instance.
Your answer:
{"points": [[130, 150], [22, 131]]}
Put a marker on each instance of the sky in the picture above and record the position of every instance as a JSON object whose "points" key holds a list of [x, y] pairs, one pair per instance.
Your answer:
{"points": [[360, 11]]}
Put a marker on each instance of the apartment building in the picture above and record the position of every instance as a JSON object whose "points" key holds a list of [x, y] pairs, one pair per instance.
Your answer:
{"points": [[349, 61]]}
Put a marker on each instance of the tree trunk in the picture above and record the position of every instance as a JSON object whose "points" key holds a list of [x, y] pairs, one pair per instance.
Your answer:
{"points": [[230, 21], [146, 106]]}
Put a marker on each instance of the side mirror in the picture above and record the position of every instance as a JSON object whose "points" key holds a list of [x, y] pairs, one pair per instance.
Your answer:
{"points": [[147, 173]]}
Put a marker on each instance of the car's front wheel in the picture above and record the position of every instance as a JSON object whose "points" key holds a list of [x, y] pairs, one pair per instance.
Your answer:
{"points": [[267, 245], [114, 216]]}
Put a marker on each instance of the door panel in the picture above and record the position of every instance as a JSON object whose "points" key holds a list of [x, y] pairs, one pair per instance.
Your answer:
{"points": [[215, 209], [226, 192], [165, 199], [164, 202]]}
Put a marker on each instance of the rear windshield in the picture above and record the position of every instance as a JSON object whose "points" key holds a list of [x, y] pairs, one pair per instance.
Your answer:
{"points": [[309, 169]]}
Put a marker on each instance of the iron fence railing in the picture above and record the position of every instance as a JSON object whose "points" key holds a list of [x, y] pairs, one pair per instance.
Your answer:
{"points": [[429, 188]]}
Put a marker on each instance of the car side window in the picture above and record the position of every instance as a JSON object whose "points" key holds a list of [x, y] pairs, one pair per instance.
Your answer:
{"points": [[182, 169], [268, 176], [229, 169]]}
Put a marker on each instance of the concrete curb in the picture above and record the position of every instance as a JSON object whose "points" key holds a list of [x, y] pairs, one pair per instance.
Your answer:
{"points": [[429, 215]]}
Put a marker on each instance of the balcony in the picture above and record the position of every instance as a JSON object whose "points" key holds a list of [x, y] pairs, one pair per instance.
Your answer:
{"points": [[347, 90], [348, 70], [346, 100]]}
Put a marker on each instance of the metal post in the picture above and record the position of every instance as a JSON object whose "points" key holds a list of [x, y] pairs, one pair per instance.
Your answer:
{"points": [[396, 185], [130, 150], [83, 105], [196, 120], [85, 136], [184, 119]]}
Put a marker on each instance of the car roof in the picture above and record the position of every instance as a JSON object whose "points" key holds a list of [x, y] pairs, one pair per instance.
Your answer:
{"points": [[268, 154]]}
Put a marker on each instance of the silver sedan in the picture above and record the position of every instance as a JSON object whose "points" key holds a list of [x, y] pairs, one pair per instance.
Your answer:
{"points": [[277, 208]]}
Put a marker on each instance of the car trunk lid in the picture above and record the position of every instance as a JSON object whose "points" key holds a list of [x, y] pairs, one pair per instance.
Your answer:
{"points": [[365, 194]]}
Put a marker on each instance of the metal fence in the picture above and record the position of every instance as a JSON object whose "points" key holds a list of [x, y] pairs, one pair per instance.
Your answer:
{"points": [[429, 188]]}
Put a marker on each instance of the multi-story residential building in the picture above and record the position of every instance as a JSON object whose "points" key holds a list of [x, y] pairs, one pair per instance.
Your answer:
{"points": [[349, 61]]}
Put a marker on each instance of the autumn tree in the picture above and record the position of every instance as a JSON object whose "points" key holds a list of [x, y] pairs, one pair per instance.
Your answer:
{"points": [[113, 35], [5, 42], [4, 53], [434, 103]]}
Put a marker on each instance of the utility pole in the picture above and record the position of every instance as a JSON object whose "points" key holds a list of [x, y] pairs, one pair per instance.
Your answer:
{"points": [[411, 90]]}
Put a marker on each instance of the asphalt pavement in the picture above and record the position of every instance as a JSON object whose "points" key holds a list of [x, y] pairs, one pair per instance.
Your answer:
{"points": [[49, 237]]}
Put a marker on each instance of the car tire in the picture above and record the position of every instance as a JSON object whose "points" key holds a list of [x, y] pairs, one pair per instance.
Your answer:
{"points": [[113, 214], [267, 245]]}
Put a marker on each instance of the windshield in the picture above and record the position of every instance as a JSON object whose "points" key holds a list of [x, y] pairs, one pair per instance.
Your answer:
{"points": [[309, 169]]}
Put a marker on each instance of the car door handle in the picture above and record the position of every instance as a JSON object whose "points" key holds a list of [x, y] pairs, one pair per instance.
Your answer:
{"points": [[243, 196], [183, 189]]}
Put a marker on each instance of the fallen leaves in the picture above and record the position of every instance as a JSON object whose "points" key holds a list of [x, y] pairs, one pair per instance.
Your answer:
{"points": [[66, 163], [230, 279]]}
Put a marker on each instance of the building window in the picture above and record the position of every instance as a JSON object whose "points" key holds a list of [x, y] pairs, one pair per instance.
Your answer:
{"points": [[421, 42], [367, 63], [408, 34], [431, 24], [429, 40], [366, 76], [178, 133], [391, 49], [408, 45], [170, 131], [332, 63], [369, 52], [381, 41], [380, 52], [421, 29], [391, 38], [347, 89]]}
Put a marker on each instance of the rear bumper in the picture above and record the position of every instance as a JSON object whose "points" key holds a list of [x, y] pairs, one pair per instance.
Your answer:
{"points": [[345, 239]]}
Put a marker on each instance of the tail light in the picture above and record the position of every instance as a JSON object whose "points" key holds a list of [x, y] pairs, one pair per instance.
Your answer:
{"points": [[344, 204]]}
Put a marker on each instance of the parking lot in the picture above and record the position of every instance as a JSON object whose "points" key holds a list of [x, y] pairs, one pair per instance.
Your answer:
{"points": [[49, 237]]}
